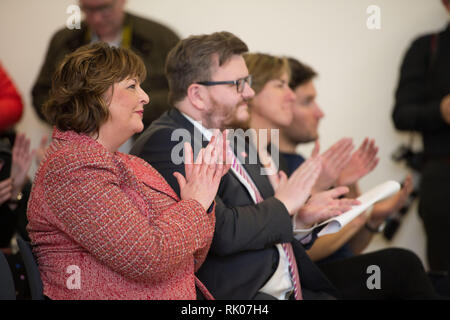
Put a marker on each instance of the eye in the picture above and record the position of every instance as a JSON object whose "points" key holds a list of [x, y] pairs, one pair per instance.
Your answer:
{"points": [[133, 86]]}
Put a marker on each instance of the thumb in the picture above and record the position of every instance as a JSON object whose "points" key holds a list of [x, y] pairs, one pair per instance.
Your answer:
{"points": [[180, 179], [338, 191], [282, 177], [316, 149]]}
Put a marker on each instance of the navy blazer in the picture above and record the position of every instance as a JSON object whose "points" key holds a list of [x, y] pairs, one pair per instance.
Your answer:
{"points": [[243, 255]]}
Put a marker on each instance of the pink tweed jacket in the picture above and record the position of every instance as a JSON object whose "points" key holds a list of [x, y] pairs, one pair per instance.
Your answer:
{"points": [[107, 226]]}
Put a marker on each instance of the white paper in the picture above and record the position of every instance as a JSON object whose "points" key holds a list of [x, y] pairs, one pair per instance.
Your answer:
{"points": [[369, 198]]}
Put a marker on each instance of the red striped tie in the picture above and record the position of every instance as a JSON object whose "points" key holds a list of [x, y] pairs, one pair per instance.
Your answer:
{"points": [[287, 247]]}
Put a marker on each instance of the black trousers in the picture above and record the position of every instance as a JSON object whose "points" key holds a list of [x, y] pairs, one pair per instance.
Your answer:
{"points": [[434, 208], [401, 276]]}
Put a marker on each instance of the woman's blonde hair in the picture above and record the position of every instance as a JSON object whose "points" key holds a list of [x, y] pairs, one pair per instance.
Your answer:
{"points": [[265, 67]]}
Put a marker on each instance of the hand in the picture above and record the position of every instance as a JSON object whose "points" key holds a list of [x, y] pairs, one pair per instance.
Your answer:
{"points": [[203, 177], [21, 161], [385, 208], [40, 152], [445, 108], [362, 162], [5, 190], [294, 192], [324, 205], [334, 160]]}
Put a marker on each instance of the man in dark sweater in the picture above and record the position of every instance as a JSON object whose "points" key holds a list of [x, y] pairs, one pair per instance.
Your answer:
{"points": [[107, 21]]}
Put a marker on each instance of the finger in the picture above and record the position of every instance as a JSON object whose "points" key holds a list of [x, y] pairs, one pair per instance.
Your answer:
{"points": [[229, 154], [44, 141], [199, 161], [342, 148], [4, 198], [282, 176], [207, 153], [349, 202], [373, 164], [5, 183], [329, 212], [188, 160], [6, 191], [371, 151], [180, 179], [344, 157], [23, 143], [225, 156], [209, 164], [316, 150], [337, 192]]}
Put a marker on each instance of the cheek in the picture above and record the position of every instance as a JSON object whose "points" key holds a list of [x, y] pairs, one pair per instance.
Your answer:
{"points": [[300, 117]]}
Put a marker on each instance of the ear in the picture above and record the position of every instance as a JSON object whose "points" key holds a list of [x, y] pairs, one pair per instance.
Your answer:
{"points": [[198, 96]]}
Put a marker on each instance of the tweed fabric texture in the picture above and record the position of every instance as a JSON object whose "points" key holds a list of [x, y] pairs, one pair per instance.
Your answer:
{"points": [[116, 219]]}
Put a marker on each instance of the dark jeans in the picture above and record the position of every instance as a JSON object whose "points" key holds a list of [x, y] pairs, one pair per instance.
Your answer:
{"points": [[401, 276]]}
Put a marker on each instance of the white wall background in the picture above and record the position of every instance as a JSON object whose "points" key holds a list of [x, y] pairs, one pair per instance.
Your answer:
{"points": [[358, 67]]}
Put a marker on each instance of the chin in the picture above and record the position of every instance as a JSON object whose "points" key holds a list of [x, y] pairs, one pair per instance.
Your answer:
{"points": [[138, 128]]}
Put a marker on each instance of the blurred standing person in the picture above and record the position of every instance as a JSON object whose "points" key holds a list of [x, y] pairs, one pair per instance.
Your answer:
{"points": [[107, 21], [423, 104]]}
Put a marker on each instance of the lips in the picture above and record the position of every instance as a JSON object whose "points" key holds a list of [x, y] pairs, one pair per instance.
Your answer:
{"points": [[141, 113]]}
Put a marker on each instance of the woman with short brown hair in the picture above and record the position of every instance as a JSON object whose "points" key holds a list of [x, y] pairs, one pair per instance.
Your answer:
{"points": [[107, 215]]}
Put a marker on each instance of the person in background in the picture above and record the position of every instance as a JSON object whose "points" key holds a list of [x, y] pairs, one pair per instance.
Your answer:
{"points": [[422, 104], [11, 105], [15, 185], [271, 109], [254, 254], [107, 21], [341, 167], [108, 213]]}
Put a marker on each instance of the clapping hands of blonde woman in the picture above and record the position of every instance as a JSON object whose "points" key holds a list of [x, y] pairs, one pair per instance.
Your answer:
{"points": [[334, 160], [294, 192], [202, 177]]}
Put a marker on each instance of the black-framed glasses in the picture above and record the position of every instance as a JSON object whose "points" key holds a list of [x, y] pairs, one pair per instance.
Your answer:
{"points": [[239, 83]]}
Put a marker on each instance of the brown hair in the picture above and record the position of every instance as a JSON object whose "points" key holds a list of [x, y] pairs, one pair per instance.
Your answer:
{"points": [[265, 67], [77, 98], [194, 59], [300, 73]]}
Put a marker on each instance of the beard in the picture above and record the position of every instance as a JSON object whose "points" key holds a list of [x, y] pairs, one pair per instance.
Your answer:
{"points": [[222, 116]]}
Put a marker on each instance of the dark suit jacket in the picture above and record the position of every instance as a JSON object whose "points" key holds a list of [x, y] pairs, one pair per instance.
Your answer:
{"points": [[243, 255], [149, 40]]}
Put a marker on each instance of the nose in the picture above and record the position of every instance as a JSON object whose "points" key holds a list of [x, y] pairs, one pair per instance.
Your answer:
{"points": [[248, 92], [319, 112], [144, 98]]}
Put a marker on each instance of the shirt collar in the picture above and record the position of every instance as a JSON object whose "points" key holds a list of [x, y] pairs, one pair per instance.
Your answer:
{"points": [[206, 132]]}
